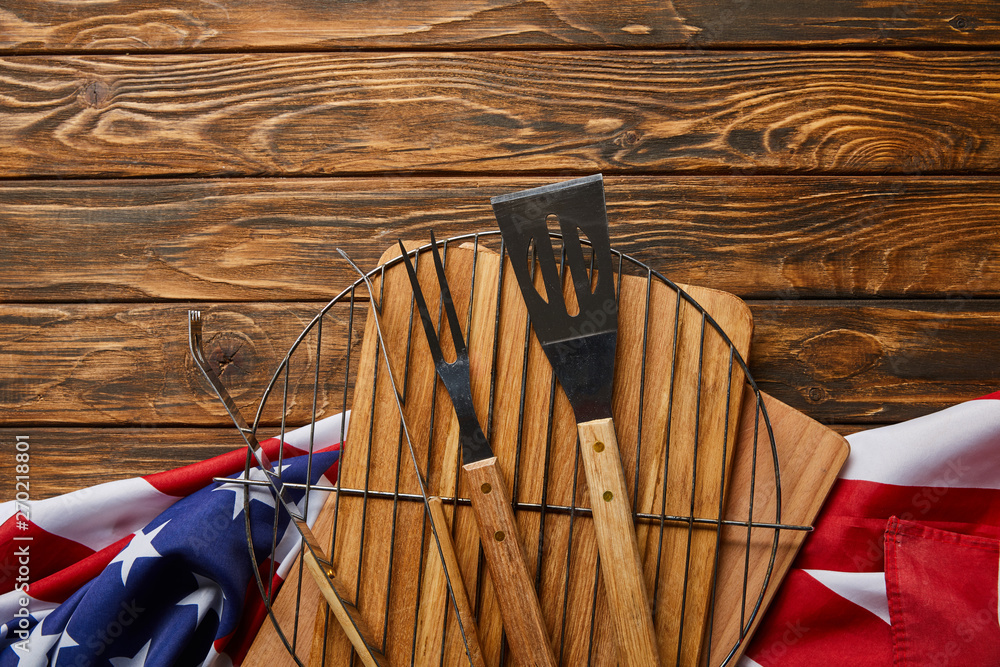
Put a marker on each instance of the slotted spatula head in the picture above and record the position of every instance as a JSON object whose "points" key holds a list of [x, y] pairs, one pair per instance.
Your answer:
{"points": [[580, 345]]}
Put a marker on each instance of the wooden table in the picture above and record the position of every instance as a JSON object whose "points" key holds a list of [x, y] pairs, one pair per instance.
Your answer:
{"points": [[835, 164]]}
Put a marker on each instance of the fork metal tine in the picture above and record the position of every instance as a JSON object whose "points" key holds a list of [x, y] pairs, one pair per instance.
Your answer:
{"points": [[195, 343], [449, 304], [425, 316]]}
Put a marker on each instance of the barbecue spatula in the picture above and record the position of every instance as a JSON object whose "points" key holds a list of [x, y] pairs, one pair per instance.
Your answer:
{"points": [[581, 348]]}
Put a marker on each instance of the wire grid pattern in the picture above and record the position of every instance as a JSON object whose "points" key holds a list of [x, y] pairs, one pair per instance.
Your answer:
{"points": [[333, 386]]}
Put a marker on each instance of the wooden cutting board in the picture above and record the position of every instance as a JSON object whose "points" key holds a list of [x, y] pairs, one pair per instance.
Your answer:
{"points": [[382, 544], [809, 457]]}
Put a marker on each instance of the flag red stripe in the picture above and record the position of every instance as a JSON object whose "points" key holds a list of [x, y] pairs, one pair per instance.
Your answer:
{"points": [[849, 533], [58, 586], [813, 625], [48, 553], [190, 478]]}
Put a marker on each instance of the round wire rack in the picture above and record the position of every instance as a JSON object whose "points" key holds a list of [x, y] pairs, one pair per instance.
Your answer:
{"points": [[381, 545]]}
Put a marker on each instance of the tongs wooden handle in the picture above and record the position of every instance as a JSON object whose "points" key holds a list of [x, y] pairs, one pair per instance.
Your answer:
{"points": [[451, 566]]}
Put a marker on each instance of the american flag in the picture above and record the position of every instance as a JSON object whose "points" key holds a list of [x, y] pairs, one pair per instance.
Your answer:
{"points": [[153, 570], [902, 569]]}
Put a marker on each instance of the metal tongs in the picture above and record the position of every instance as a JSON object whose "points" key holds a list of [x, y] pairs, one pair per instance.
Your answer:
{"points": [[319, 565]]}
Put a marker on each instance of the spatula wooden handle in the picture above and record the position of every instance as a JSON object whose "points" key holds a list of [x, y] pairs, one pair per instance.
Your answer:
{"points": [[621, 566], [519, 608], [475, 653]]}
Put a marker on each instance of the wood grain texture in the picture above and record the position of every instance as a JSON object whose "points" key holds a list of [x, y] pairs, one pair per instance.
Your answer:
{"points": [[527, 635], [462, 604], [620, 112], [68, 459], [127, 365], [879, 362], [271, 239], [336, 594], [141, 25], [627, 597], [809, 458], [694, 411], [131, 366]]}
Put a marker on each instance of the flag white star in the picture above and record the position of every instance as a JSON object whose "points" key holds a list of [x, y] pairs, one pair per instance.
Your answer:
{"points": [[141, 546], [209, 595], [261, 493], [39, 645], [65, 641], [138, 660], [216, 659]]}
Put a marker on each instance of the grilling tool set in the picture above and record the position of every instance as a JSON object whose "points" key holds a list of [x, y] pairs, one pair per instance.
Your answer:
{"points": [[554, 456]]}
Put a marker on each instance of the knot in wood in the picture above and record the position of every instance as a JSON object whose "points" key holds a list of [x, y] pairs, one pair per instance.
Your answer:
{"points": [[230, 355], [816, 395], [840, 353], [963, 23], [628, 138], [95, 94]]}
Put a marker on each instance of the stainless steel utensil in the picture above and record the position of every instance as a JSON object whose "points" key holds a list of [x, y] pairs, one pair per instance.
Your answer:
{"points": [[580, 346], [320, 565], [498, 533]]}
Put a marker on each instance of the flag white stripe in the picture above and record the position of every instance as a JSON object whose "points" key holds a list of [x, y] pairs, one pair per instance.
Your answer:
{"points": [[865, 589], [954, 448], [101, 515]]}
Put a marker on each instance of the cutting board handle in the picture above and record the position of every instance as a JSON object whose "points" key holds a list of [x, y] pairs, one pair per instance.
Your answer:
{"points": [[621, 566]]}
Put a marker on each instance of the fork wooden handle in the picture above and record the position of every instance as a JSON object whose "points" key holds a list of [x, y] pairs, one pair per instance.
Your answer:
{"points": [[621, 566], [519, 607]]}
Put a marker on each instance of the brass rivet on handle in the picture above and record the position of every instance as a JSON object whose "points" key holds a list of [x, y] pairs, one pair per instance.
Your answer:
{"points": [[598, 446], [486, 488], [608, 496], [499, 536]]}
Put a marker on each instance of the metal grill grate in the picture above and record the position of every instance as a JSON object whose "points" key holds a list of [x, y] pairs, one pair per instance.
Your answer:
{"points": [[320, 369]]}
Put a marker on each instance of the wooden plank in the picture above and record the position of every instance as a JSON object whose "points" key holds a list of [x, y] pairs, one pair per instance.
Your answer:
{"points": [[68, 459], [689, 416], [273, 239], [876, 361], [579, 112], [858, 362], [125, 365], [143, 25]]}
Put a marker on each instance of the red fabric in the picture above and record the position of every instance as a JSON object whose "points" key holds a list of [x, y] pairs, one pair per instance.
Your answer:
{"points": [[849, 535], [815, 622], [49, 553], [931, 599], [184, 481], [942, 589], [58, 586]]}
